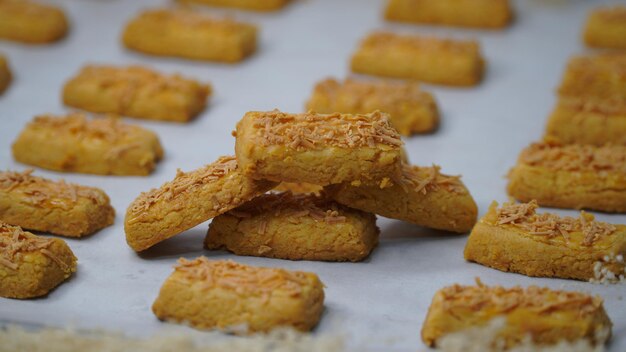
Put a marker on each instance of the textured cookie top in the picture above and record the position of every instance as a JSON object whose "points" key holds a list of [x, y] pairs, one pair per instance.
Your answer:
{"points": [[608, 106], [427, 179], [78, 126], [40, 191], [185, 182], [194, 20], [383, 41], [27, 8], [311, 131], [14, 242], [243, 279], [575, 157], [358, 92], [499, 300], [294, 206], [602, 76], [524, 217], [133, 78], [615, 13]]}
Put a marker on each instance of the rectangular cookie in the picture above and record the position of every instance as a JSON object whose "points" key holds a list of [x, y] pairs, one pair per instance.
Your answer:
{"points": [[31, 22], [56, 207], [410, 109], [491, 14], [421, 195], [137, 92], [606, 27], [295, 227], [253, 5], [208, 294], [428, 59], [515, 238], [600, 76], [544, 315], [101, 146], [190, 35], [188, 200], [30, 265], [317, 148], [571, 176], [5, 74], [588, 121]]}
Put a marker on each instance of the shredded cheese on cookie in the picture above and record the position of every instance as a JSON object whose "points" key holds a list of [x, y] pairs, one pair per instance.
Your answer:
{"points": [[502, 300], [14, 242], [241, 278], [575, 157], [315, 131], [37, 190], [185, 182], [524, 216]]}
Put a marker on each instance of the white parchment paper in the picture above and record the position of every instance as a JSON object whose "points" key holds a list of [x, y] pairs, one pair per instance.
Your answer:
{"points": [[378, 304]]}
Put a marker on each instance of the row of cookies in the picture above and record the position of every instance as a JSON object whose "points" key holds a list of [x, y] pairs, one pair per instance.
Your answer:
{"points": [[241, 299]]}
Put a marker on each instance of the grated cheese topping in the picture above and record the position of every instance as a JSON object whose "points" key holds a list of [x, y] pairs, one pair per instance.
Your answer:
{"points": [[357, 94], [293, 206], [500, 300], [196, 20], [315, 131], [241, 278], [14, 242], [38, 190], [575, 157], [185, 182], [133, 79], [598, 76], [382, 41], [428, 179], [110, 129], [524, 216]]}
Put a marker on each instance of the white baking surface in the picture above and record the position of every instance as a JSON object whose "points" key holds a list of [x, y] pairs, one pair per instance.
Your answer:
{"points": [[378, 304]]}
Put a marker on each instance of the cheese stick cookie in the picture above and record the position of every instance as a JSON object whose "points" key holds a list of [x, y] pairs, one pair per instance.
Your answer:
{"points": [[225, 295], [428, 59], [137, 92], [296, 227], [515, 238], [315, 148], [595, 76], [606, 28], [56, 207], [30, 265], [253, 5], [5, 74], [571, 176], [31, 22], [546, 316], [190, 35], [592, 104], [102, 146], [190, 199], [588, 121], [410, 109], [491, 14], [421, 195]]}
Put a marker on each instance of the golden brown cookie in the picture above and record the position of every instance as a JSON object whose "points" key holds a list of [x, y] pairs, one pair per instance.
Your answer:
{"points": [[226, 295]]}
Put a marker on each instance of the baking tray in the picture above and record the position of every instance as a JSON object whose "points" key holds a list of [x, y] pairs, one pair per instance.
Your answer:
{"points": [[378, 304]]}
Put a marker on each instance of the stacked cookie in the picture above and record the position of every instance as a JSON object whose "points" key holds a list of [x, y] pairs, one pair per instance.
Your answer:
{"points": [[356, 159]]}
